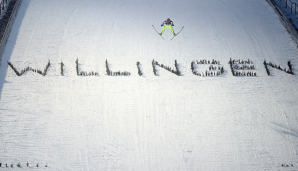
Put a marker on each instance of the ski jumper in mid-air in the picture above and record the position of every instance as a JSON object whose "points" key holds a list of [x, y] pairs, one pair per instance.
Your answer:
{"points": [[167, 24]]}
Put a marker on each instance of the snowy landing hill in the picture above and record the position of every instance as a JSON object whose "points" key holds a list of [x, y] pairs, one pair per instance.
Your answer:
{"points": [[203, 119]]}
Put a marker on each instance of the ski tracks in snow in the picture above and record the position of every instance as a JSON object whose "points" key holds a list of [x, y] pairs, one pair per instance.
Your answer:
{"points": [[150, 122]]}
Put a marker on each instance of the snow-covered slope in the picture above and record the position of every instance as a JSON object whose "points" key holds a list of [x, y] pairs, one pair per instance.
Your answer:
{"points": [[148, 122]]}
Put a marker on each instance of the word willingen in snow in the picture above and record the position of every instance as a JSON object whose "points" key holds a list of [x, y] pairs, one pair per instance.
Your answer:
{"points": [[238, 68]]}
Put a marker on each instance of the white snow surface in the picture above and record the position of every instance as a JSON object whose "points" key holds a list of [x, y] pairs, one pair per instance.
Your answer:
{"points": [[165, 122]]}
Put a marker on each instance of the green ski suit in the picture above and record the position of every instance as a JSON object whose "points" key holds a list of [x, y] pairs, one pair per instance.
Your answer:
{"points": [[167, 25]]}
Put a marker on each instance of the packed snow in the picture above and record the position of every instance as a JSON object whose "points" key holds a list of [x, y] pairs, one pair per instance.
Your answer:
{"points": [[161, 122]]}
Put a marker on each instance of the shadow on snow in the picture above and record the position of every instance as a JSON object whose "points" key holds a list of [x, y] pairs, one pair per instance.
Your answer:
{"points": [[12, 42]]}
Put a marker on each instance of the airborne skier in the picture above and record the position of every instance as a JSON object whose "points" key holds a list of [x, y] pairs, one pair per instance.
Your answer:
{"points": [[168, 23]]}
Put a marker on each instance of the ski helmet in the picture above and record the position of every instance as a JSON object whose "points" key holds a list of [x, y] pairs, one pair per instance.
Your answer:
{"points": [[168, 19]]}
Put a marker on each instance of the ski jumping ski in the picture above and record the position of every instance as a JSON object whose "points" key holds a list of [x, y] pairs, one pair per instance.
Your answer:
{"points": [[177, 33], [158, 33], [164, 38]]}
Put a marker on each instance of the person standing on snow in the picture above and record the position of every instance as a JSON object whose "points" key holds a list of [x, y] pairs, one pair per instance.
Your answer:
{"points": [[167, 24]]}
